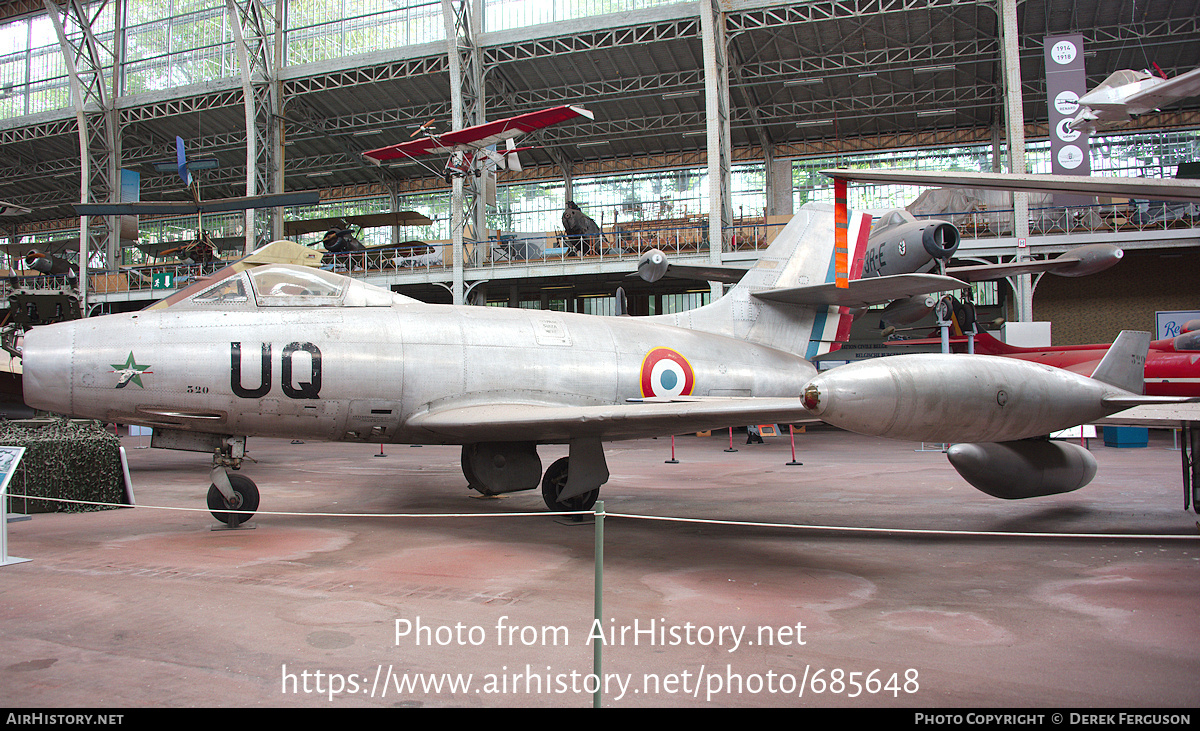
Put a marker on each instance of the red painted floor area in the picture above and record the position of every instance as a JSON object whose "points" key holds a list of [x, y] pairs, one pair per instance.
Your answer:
{"points": [[326, 608]]}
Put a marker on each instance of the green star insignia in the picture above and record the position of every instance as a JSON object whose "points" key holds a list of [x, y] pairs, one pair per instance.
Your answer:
{"points": [[130, 371]]}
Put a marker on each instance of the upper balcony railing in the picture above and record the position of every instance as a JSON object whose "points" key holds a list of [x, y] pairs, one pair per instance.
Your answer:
{"points": [[621, 243]]}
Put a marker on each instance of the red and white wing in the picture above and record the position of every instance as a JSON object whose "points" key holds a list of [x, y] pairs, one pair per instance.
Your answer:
{"points": [[479, 136]]}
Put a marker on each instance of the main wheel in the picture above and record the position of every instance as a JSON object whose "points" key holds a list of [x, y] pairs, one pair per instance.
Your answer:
{"points": [[245, 498], [555, 481]]}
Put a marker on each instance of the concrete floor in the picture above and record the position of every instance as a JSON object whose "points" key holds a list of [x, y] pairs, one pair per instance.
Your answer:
{"points": [[139, 608]]}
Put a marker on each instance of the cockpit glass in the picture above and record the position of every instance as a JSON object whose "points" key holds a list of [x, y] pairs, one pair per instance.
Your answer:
{"points": [[296, 285], [887, 220], [230, 291]]}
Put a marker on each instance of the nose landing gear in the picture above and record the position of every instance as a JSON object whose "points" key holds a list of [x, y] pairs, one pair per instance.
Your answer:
{"points": [[232, 498]]}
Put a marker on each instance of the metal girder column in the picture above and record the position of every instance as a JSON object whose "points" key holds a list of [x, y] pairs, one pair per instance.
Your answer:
{"points": [[259, 58], [716, 103], [96, 119], [1015, 123], [462, 18]]}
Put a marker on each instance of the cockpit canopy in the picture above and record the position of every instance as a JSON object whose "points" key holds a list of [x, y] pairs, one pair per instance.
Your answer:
{"points": [[287, 285], [890, 219]]}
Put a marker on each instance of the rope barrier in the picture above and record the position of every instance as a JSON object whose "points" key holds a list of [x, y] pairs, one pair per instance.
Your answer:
{"points": [[635, 516]]}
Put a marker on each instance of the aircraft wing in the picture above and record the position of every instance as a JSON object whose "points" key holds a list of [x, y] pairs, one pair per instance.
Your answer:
{"points": [[864, 292], [1080, 261], [1165, 93], [159, 248], [371, 220], [225, 243], [219, 205], [12, 209], [19, 250], [1169, 189], [630, 420], [479, 136]]}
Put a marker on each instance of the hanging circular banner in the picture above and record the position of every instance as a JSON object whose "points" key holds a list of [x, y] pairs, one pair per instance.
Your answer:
{"points": [[666, 373]]}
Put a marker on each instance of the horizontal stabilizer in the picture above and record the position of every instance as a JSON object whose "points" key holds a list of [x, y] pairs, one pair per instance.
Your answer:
{"points": [[723, 274], [863, 292], [1131, 400]]}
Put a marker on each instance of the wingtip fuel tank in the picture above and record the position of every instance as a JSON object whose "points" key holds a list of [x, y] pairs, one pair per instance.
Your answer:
{"points": [[935, 397]]}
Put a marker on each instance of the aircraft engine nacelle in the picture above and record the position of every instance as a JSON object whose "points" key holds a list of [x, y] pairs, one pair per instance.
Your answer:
{"points": [[652, 266], [1023, 469], [40, 264], [340, 241], [1092, 258], [904, 312], [48, 264], [940, 239], [935, 397], [895, 250]]}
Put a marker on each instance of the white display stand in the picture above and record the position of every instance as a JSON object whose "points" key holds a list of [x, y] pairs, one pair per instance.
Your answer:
{"points": [[10, 457]]}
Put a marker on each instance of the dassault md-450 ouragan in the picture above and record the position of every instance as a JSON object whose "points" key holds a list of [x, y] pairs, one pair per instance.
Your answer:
{"points": [[293, 351]]}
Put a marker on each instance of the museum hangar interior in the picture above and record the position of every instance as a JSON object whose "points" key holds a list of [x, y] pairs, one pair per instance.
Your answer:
{"points": [[709, 126]]}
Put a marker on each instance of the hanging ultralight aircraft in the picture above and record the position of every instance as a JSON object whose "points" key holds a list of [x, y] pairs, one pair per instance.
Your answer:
{"points": [[470, 148], [306, 353]]}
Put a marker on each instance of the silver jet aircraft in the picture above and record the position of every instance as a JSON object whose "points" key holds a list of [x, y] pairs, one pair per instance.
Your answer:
{"points": [[298, 352]]}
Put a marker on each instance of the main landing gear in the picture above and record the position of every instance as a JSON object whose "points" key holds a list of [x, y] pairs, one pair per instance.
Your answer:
{"points": [[571, 483], [553, 484]]}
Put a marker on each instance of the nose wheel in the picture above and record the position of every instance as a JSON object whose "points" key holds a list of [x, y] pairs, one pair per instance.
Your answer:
{"points": [[243, 500], [553, 484]]}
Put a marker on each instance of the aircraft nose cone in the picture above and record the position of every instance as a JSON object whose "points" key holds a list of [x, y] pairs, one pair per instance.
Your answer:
{"points": [[46, 367]]}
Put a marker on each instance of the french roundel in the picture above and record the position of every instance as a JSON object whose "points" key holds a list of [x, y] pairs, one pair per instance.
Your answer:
{"points": [[666, 373]]}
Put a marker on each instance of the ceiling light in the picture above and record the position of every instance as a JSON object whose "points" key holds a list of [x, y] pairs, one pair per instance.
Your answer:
{"points": [[365, 132], [680, 94], [803, 82], [814, 122], [934, 112], [934, 69], [868, 74]]}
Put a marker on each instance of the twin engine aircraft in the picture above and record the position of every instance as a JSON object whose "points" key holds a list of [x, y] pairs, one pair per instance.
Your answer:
{"points": [[300, 352]]}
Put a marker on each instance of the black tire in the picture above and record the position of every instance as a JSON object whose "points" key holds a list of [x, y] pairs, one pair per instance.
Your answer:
{"points": [[247, 493], [553, 483]]}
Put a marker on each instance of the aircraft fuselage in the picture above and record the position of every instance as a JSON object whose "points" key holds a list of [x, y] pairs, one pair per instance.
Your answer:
{"points": [[360, 374]]}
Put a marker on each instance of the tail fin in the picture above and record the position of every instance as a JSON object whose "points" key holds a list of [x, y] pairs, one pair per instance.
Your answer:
{"points": [[801, 254], [1124, 365]]}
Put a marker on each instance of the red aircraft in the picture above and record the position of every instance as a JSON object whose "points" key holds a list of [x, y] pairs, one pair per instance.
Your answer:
{"points": [[1172, 364], [472, 145]]}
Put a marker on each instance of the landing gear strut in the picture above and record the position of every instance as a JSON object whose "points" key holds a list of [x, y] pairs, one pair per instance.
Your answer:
{"points": [[230, 492], [494, 468], [553, 484]]}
